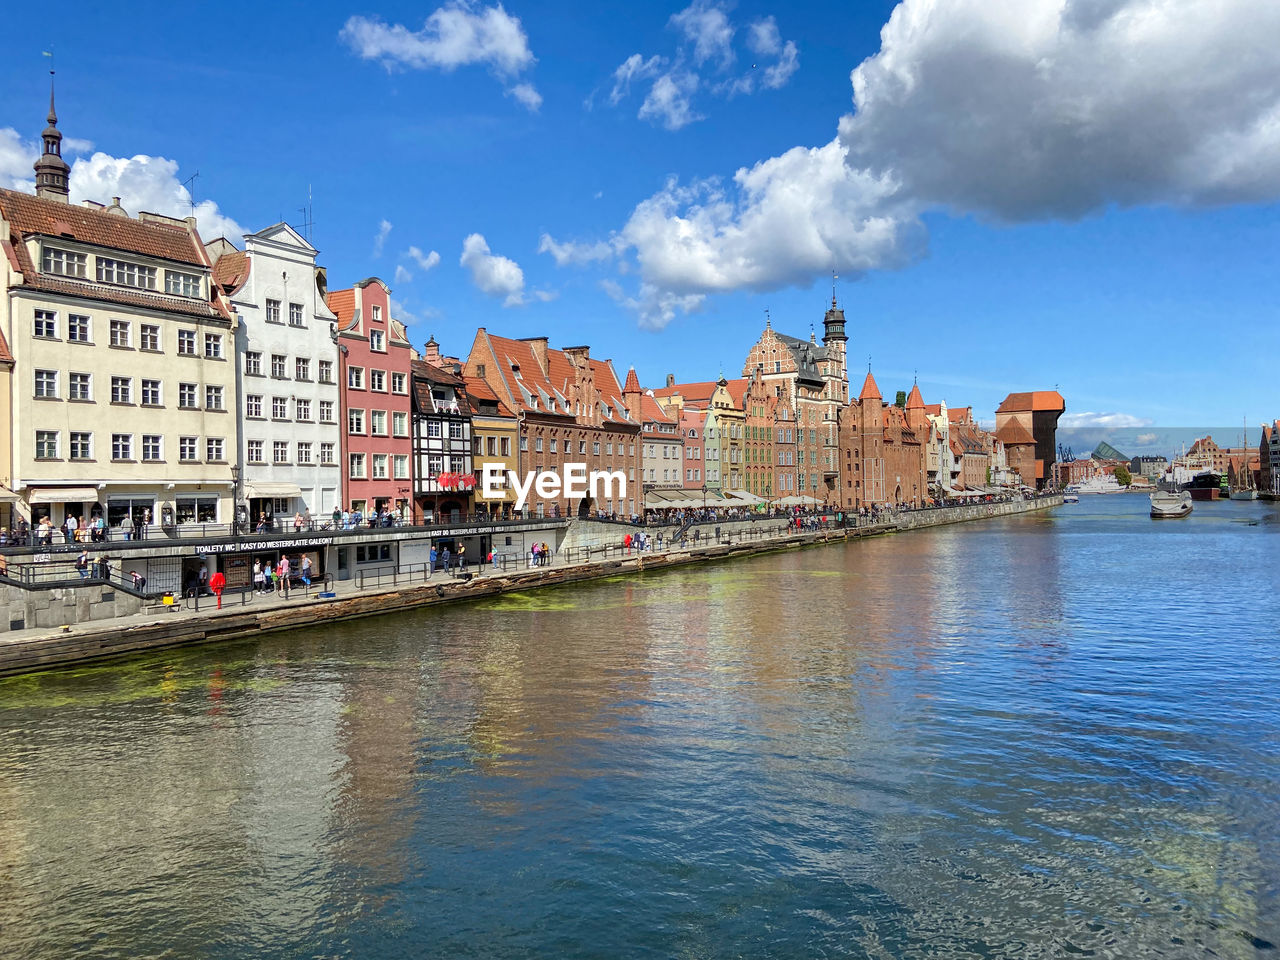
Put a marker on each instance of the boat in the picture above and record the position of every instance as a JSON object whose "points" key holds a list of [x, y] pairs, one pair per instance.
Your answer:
{"points": [[1071, 497], [1244, 490], [1167, 505], [1107, 483]]}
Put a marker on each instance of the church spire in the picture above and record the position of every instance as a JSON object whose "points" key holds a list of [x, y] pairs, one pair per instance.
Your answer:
{"points": [[52, 172]]}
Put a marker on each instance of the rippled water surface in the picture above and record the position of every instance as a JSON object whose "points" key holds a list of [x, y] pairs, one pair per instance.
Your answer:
{"points": [[1037, 737]]}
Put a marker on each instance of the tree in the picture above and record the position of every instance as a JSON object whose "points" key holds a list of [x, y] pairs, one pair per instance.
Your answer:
{"points": [[901, 401], [1123, 477]]}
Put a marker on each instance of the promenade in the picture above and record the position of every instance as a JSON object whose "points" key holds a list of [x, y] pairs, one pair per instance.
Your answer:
{"points": [[246, 614]]}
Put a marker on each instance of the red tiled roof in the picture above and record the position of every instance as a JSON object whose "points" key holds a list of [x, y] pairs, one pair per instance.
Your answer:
{"points": [[869, 389], [436, 374], [343, 305], [1035, 400], [231, 271], [914, 400], [477, 389], [651, 410], [633, 382], [960, 414], [1013, 433], [5, 355], [692, 392], [737, 391]]}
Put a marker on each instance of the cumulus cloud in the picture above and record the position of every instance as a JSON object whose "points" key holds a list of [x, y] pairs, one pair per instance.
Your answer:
{"points": [[1070, 421], [380, 238], [402, 274], [653, 307], [569, 252], [1146, 439], [425, 261], [461, 33], [496, 276], [1028, 109], [703, 57], [16, 158]]}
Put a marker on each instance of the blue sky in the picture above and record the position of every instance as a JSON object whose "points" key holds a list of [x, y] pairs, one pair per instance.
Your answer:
{"points": [[1080, 193]]}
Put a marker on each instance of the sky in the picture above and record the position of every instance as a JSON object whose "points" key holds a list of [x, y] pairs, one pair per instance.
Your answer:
{"points": [[1005, 195]]}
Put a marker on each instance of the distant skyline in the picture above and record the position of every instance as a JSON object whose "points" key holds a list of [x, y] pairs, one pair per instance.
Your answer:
{"points": [[1014, 194]]}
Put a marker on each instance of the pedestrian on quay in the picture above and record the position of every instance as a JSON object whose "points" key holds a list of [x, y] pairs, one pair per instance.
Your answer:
{"points": [[297, 522], [431, 568], [462, 557], [284, 574], [204, 580], [444, 558], [82, 564], [259, 578], [337, 517], [306, 569], [146, 522]]}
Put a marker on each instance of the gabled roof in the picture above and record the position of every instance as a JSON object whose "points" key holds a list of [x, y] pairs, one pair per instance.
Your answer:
{"points": [[525, 380], [691, 392], [5, 355], [1035, 400], [651, 411], [343, 305], [231, 270], [478, 390], [960, 414], [1013, 433], [434, 374]]}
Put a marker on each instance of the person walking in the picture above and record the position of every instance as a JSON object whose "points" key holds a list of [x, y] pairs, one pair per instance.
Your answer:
{"points": [[444, 557], [462, 558], [82, 564], [126, 526], [337, 517], [284, 575], [306, 569], [259, 579], [69, 528]]}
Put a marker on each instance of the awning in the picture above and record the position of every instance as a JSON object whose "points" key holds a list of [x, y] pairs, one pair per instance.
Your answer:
{"points": [[8, 496], [798, 501], [742, 496], [261, 488], [63, 495]]}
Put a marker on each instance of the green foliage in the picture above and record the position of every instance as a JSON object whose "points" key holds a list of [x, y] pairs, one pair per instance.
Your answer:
{"points": [[1123, 477], [901, 401]]}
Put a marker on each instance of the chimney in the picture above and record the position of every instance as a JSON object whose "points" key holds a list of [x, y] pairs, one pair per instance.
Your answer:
{"points": [[539, 347], [431, 352], [671, 379]]}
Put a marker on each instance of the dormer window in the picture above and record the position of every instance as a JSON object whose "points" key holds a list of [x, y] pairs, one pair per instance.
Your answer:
{"points": [[63, 263], [181, 284], [126, 274], [377, 313]]}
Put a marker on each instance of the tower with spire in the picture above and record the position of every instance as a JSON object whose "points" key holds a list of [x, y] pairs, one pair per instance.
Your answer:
{"points": [[52, 172]]}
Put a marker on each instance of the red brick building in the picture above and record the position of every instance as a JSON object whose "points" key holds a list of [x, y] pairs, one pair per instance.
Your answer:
{"points": [[882, 450], [1027, 425], [374, 358]]}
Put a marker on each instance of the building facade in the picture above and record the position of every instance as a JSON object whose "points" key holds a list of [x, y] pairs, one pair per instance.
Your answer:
{"points": [[1027, 425], [287, 376], [495, 439], [443, 474]]}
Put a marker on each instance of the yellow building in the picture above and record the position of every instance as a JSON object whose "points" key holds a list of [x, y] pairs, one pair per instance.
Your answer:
{"points": [[495, 436], [8, 498], [123, 390]]}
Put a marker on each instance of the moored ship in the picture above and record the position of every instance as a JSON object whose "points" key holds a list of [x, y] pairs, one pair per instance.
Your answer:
{"points": [[1168, 505]]}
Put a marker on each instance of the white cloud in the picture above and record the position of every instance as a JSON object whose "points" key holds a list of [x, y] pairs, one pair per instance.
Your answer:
{"points": [[668, 100], [1146, 439], [654, 308], [380, 239], [425, 261], [544, 296], [1112, 420], [402, 313], [493, 275], [707, 27], [460, 33], [570, 252], [705, 46], [402, 275], [1029, 109], [16, 159], [151, 184]]}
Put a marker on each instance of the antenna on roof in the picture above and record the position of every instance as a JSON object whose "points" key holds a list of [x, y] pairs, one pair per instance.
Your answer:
{"points": [[308, 224], [834, 277], [915, 378], [868, 363], [767, 321], [190, 184]]}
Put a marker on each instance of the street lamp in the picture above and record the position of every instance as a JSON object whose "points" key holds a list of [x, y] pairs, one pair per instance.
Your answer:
{"points": [[704, 498], [235, 499]]}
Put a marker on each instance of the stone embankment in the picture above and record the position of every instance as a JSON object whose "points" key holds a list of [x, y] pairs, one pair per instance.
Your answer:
{"points": [[30, 650]]}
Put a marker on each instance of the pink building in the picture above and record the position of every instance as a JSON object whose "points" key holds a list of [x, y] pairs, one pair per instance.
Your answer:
{"points": [[376, 419], [692, 421]]}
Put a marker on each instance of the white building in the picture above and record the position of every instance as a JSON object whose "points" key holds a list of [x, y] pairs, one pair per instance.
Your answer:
{"points": [[287, 380]]}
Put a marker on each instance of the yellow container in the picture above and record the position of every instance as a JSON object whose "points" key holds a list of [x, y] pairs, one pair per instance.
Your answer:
{"points": [[168, 600]]}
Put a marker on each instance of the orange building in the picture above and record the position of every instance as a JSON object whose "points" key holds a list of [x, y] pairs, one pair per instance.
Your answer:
{"points": [[1027, 425]]}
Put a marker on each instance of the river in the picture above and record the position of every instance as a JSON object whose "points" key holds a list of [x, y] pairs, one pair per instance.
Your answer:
{"points": [[1041, 736]]}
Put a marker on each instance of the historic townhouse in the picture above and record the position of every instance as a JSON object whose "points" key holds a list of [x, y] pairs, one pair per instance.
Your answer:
{"points": [[760, 405], [883, 450], [495, 436], [287, 381], [811, 384], [662, 450], [692, 421], [570, 410], [123, 381], [8, 498], [444, 476], [374, 358]]}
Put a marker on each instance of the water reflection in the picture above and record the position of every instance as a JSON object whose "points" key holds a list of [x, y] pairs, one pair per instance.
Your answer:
{"points": [[1030, 737]]}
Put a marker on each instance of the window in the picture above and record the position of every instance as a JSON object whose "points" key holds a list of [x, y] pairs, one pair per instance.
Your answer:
{"points": [[304, 453], [378, 380], [326, 411], [491, 447], [46, 444], [77, 328], [357, 465], [435, 464], [379, 466], [398, 383], [46, 324], [181, 284], [273, 311], [400, 423], [280, 451], [302, 410], [506, 446], [151, 393], [122, 389], [582, 448], [301, 369], [455, 430], [213, 449], [122, 446], [326, 453], [400, 464], [81, 445], [377, 313], [253, 363], [279, 408], [377, 341], [595, 448], [213, 346], [63, 262], [126, 274], [524, 444], [47, 384], [149, 337], [79, 387], [355, 378], [325, 372], [295, 314], [277, 365], [197, 509], [187, 449], [253, 405], [212, 399], [187, 396], [433, 428], [152, 447], [253, 451], [186, 343], [355, 421], [378, 422]]}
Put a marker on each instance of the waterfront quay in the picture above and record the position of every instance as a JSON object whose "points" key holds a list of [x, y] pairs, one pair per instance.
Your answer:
{"points": [[583, 550]]}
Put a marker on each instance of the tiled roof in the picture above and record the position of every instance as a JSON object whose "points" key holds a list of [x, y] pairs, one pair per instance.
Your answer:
{"points": [[556, 382], [869, 388], [5, 355], [34, 216], [343, 305], [633, 382], [651, 411], [914, 400], [737, 392], [1035, 400], [477, 389], [436, 374], [1013, 433], [960, 414], [691, 392], [231, 271]]}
